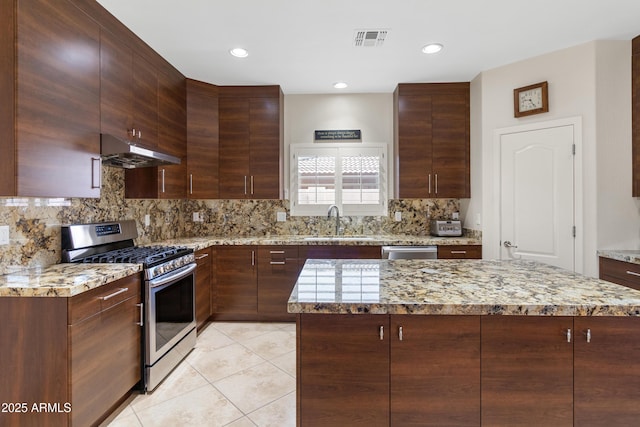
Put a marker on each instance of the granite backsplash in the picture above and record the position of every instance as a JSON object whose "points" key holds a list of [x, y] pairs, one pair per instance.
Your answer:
{"points": [[34, 223]]}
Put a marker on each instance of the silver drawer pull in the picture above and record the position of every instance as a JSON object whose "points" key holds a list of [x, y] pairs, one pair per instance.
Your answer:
{"points": [[633, 273], [568, 335], [199, 257], [276, 252], [459, 252], [400, 333], [381, 333], [588, 335], [121, 291], [278, 262]]}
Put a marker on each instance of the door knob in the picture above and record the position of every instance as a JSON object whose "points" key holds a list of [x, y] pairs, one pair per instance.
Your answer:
{"points": [[507, 244]]}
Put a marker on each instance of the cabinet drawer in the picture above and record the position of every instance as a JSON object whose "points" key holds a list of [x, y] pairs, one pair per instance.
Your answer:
{"points": [[272, 254], [96, 300], [620, 272], [460, 252]]}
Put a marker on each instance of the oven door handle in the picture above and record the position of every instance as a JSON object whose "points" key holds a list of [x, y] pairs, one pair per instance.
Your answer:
{"points": [[173, 276]]}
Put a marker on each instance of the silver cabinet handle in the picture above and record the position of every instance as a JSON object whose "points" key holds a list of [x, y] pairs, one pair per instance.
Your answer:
{"points": [[276, 252], [381, 333], [133, 132], [633, 273], [96, 172], [190, 183], [245, 184], [139, 134], [199, 257], [588, 335], [436, 183], [429, 183], [121, 291], [251, 184], [568, 335], [141, 322], [253, 258], [507, 244], [278, 263], [400, 333], [459, 252], [163, 180]]}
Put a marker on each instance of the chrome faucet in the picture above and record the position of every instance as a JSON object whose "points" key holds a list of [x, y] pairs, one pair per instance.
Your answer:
{"points": [[331, 209]]}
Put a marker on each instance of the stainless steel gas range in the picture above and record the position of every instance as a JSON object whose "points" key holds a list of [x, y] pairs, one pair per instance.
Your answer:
{"points": [[169, 288]]}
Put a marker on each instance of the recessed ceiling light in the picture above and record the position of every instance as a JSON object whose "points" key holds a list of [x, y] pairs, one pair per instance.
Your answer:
{"points": [[340, 85], [432, 48], [239, 52]]}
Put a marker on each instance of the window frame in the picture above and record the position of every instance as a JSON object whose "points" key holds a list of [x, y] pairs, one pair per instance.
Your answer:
{"points": [[339, 150]]}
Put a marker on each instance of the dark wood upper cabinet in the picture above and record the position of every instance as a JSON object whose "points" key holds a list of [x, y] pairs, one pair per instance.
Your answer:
{"points": [[635, 113], [202, 140], [251, 142], [431, 140], [50, 88]]}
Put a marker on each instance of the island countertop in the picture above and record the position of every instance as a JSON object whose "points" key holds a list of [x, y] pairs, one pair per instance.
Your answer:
{"points": [[455, 287]]}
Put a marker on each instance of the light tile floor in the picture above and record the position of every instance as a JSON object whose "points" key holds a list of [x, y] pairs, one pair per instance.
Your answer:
{"points": [[239, 375]]}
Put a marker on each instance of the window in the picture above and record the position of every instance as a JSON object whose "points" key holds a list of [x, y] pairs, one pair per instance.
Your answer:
{"points": [[351, 176]]}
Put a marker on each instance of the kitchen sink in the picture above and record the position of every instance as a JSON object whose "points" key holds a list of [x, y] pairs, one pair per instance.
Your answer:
{"points": [[337, 238]]}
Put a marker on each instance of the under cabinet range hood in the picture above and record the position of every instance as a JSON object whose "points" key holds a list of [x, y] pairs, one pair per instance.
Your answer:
{"points": [[121, 153]]}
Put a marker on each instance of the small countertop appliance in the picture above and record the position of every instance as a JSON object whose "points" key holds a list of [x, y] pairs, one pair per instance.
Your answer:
{"points": [[446, 228]]}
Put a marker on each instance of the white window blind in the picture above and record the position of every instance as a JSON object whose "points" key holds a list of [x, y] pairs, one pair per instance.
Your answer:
{"points": [[353, 177]]}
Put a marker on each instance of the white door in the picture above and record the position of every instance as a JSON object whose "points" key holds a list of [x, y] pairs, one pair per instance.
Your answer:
{"points": [[537, 209]]}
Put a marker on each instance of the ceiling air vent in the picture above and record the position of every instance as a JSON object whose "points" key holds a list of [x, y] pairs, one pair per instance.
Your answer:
{"points": [[369, 38]]}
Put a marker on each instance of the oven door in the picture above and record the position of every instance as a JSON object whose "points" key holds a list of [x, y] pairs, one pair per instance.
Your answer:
{"points": [[170, 311]]}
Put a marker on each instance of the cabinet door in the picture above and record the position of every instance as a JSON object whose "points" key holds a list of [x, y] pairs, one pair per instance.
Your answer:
{"points": [[234, 179], [58, 101], [635, 112], [145, 101], [527, 371], [607, 371], [435, 370], [265, 151], [343, 370], [413, 147], [203, 286], [105, 360], [460, 252], [450, 143], [172, 134], [202, 140], [116, 86], [278, 270], [236, 281]]}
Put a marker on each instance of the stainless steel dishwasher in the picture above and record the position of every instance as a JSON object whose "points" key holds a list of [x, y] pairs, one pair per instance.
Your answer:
{"points": [[410, 252]]}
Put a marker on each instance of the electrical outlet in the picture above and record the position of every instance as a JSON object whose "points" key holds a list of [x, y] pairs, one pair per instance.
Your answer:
{"points": [[147, 220], [196, 217], [4, 235], [281, 216], [478, 220], [398, 216], [455, 215]]}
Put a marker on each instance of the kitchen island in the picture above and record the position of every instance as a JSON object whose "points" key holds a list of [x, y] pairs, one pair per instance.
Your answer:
{"points": [[463, 342]]}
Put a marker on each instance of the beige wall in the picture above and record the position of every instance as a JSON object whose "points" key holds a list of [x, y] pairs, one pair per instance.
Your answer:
{"points": [[591, 81], [371, 113]]}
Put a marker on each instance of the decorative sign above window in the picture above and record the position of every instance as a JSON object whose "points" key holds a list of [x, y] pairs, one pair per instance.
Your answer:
{"points": [[353, 135]]}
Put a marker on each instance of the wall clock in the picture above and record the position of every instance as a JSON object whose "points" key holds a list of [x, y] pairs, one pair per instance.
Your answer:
{"points": [[532, 99]]}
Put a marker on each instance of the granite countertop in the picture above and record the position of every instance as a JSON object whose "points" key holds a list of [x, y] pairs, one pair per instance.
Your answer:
{"points": [[66, 280], [63, 280], [198, 243], [632, 256], [463, 287]]}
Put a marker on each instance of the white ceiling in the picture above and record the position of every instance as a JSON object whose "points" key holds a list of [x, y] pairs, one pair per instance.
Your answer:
{"points": [[307, 45]]}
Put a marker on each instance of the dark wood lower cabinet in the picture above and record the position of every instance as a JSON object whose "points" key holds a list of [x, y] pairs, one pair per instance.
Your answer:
{"points": [[278, 270], [72, 361], [204, 260], [236, 295], [527, 371], [343, 370], [468, 370], [606, 371], [435, 366]]}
